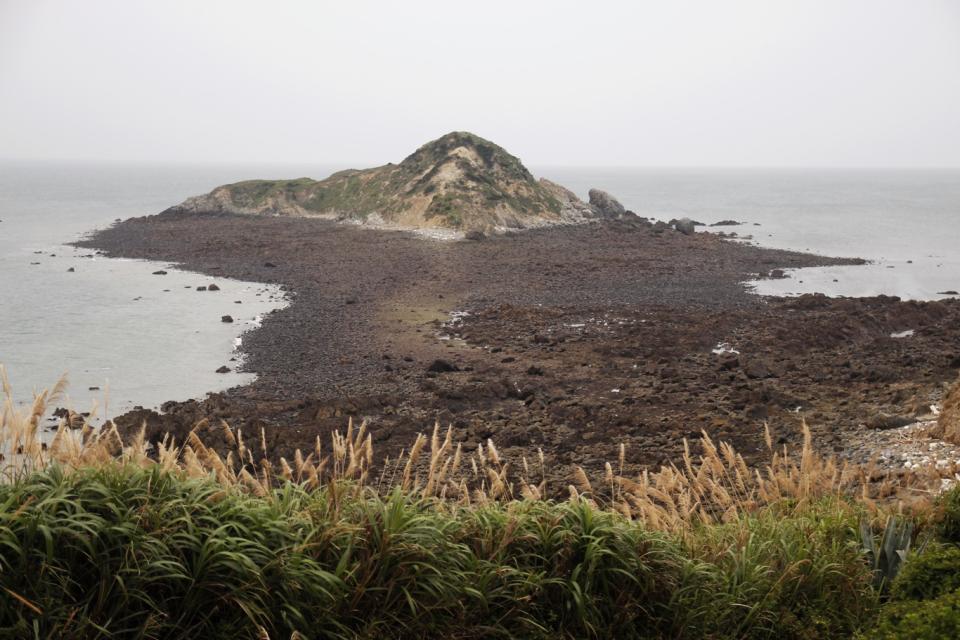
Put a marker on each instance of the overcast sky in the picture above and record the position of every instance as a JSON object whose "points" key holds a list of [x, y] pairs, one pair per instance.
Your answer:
{"points": [[633, 83]]}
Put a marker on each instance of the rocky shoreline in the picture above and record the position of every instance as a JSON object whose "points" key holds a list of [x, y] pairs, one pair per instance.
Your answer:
{"points": [[567, 339]]}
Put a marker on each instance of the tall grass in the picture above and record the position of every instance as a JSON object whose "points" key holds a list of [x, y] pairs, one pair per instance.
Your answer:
{"points": [[99, 538]]}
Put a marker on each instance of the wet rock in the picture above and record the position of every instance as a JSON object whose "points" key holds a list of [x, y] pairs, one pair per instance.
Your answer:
{"points": [[606, 204], [269, 265], [728, 361], [887, 421], [161, 272], [226, 318], [71, 270], [223, 369], [758, 368], [777, 274], [213, 287], [725, 223], [757, 412], [442, 366], [949, 292], [201, 288]]}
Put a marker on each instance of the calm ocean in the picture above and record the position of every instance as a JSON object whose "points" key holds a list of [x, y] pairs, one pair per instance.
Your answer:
{"points": [[111, 323]]}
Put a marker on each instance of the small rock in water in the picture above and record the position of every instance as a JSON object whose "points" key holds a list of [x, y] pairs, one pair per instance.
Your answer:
{"points": [[269, 265], [226, 318], [71, 270], [949, 292], [238, 302], [93, 388], [223, 369], [201, 288], [213, 287], [161, 272]]}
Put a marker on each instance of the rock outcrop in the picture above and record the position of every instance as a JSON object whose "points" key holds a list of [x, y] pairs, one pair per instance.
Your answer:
{"points": [[459, 181], [686, 226], [948, 422], [606, 204]]}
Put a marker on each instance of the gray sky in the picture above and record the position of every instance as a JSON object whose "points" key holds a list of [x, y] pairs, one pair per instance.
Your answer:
{"points": [[642, 83]]}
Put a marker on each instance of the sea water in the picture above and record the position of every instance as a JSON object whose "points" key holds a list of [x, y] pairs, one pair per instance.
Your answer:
{"points": [[905, 222], [122, 335]]}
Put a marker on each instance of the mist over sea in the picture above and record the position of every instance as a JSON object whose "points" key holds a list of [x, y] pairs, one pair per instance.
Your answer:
{"points": [[155, 338]]}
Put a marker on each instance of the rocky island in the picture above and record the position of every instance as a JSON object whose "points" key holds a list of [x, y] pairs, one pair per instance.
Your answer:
{"points": [[459, 181], [556, 324]]}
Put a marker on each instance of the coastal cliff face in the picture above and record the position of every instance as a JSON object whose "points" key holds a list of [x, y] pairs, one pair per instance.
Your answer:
{"points": [[459, 181]]}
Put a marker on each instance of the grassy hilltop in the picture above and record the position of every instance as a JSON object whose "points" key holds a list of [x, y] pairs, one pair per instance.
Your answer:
{"points": [[458, 181]]}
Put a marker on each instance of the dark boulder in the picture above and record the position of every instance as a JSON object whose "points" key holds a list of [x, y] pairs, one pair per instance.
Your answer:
{"points": [[606, 204], [885, 421], [684, 226], [442, 366]]}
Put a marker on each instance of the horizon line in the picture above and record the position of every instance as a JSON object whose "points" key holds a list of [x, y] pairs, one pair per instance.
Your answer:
{"points": [[365, 165]]}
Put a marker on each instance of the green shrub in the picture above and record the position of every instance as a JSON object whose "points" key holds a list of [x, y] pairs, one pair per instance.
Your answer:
{"points": [[947, 522], [131, 553], [798, 574], [148, 554], [936, 619], [929, 575]]}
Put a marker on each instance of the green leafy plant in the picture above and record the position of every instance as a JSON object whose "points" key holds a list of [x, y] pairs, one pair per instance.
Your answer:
{"points": [[886, 555]]}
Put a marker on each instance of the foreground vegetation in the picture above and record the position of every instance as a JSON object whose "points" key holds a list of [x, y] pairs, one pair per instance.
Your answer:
{"points": [[98, 539]]}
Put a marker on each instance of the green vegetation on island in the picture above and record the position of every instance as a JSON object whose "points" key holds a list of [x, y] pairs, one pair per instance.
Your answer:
{"points": [[457, 181]]}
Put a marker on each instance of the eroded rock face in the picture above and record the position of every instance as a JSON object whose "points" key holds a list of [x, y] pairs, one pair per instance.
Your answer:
{"points": [[606, 204], [948, 423]]}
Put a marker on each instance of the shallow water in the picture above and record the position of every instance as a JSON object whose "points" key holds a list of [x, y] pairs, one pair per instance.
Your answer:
{"points": [[141, 338], [906, 222]]}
